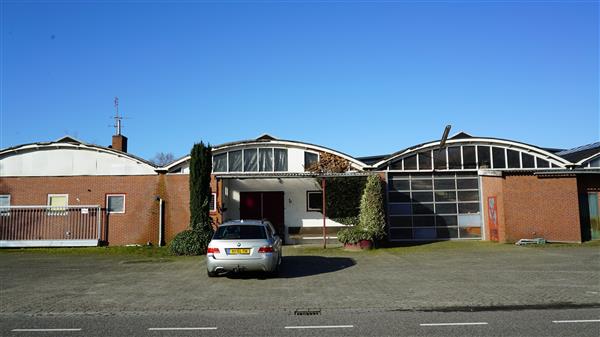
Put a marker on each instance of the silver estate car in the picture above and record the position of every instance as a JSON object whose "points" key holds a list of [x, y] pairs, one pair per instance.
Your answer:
{"points": [[244, 245]]}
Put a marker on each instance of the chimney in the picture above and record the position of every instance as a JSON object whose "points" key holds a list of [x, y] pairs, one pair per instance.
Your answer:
{"points": [[119, 142]]}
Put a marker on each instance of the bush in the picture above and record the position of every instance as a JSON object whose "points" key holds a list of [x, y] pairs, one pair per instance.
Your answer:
{"points": [[352, 235], [190, 242]]}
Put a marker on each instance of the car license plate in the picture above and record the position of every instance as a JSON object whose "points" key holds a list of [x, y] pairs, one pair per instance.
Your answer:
{"points": [[239, 251]]}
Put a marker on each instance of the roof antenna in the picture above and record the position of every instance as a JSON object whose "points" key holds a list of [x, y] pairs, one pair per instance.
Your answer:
{"points": [[117, 118]]}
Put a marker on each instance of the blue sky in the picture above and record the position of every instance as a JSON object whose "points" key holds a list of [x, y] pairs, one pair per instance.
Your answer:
{"points": [[362, 77]]}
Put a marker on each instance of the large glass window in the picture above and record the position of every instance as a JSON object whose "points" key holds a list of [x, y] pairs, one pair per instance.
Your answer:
{"points": [[483, 157], [310, 159], [410, 163], [281, 160], [499, 158], [220, 162], [513, 159], [469, 161], [250, 160], [58, 204], [425, 160], [434, 206], [454, 161], [265, 160], [528, 160], [4, 204], [314, 201], [439, 159], [235, 161]]}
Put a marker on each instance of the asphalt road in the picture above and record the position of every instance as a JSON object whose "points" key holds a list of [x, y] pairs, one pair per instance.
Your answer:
{"points": [[555, 322]]}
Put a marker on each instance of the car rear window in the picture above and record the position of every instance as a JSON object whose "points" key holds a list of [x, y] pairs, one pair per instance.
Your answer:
{"points": [[240, 232]]}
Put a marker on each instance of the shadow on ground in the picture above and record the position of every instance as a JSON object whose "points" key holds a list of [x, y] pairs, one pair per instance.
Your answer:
{"points": [[302, 266]]}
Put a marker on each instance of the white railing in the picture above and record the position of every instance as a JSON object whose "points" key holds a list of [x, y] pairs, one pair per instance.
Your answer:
{"points": [[52, 225]]}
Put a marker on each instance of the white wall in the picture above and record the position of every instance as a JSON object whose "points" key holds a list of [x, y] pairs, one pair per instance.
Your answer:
{"points": [[70, 162], [294, 190]]}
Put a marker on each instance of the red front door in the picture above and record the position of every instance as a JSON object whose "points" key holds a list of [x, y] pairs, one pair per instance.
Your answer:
{"points": [[263, 205]]}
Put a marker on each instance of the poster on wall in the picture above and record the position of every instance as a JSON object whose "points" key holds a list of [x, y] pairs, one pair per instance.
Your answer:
{"points": [[493, 218]]}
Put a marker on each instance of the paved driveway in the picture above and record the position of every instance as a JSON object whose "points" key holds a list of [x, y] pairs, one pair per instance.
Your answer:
{"points": [[448, 278]]}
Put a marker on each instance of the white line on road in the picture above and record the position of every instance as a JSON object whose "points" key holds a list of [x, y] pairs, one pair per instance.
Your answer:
{"points": [[578, 321], [183, 329], [453, 324], [320, 327], [43, 330]]}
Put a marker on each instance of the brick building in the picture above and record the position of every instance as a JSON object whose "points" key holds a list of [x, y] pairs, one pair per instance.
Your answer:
{"points": [[67, 192]]}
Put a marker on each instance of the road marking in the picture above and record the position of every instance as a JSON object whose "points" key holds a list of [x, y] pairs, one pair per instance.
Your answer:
{"points": [[320, 327], [578, 321], [183, 329], [43, 330], [453, 324]]}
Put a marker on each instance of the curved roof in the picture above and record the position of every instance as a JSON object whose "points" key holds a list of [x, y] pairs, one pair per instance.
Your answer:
{"points": [[272, 141], [68, 142], [464, 138]]}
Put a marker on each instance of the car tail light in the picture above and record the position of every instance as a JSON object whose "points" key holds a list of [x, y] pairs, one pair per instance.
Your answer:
{"points": [[212, 250], [265, 249]]}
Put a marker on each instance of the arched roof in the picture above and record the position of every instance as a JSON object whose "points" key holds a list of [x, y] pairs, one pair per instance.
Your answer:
{"points": [[465, 139]]}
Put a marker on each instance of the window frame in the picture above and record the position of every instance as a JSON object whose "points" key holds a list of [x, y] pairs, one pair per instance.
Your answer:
{"points": [[214, 208], [51, 211], [116, 195], [4, 212], [308, 194]]}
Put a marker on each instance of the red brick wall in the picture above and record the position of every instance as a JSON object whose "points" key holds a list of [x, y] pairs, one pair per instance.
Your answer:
{"points": [[492, 187], [139, 223], [531, 206]]}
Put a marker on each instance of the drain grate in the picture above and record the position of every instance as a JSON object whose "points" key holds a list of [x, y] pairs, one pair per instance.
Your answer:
{"points": [[307, 312]]}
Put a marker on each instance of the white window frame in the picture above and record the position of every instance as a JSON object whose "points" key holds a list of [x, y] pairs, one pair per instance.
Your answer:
{"points": [[57, 212], [6, 212], [308, 193], [116, 195], [214, 208]]}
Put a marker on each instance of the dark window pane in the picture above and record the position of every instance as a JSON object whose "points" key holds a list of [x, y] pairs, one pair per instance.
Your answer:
{"points": [[422, 208], [445, 184], [116, 204], [445, 208], [447, 233], [235, 161], [310, 159], [397, 165], [542, 163], [399, 185], [422, 196], [527, 160], [469, 157], [454, 157], [250, 161], [314, 201], [445, 196], [240, 232], [513, 159], [446, 221], [400, 221], [399, 197], [439, 159], [410, 163], [421, 184], [424, 233], [265, 160], [423, 221], [281, 163], [498, 156], [472, 207], [468, 196], [401, 234], [220, 162], [470, 232], [425, 161], [467, 184], [483, 157], [400, 209]]}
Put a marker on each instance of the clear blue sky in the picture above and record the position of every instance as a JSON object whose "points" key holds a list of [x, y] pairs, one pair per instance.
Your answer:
{"points": [[365, 78]]}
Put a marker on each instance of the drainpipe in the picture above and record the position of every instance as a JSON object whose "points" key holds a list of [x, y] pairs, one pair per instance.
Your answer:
{"points": [[323, 185], [160, 220]]}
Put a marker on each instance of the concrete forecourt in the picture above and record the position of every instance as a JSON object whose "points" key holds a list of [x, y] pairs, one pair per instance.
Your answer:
{"points": [[445, 289]]}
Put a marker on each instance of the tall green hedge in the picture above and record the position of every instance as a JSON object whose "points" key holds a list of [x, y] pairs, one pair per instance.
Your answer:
{"points": [[200, 170], [342, 197]]}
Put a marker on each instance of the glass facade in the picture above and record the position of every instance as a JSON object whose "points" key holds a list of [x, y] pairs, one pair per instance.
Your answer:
{"points": [[434, 206], [265, 159]]}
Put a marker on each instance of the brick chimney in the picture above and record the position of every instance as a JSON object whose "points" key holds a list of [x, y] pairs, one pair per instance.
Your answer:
{"points": [[119, 142]]}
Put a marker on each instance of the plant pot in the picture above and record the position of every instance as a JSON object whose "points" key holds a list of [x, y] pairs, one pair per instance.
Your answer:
{"points": [[361, 245]]}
